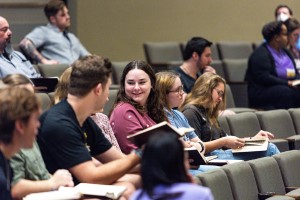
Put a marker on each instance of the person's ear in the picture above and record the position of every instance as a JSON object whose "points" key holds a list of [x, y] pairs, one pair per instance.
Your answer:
{"points": [[195, 55], [19, 126], [98, 89], [52, 20]]}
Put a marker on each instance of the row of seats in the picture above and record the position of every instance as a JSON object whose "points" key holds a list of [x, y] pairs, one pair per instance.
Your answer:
{"points": [[284, 124], [256, 179], [164, 54]]}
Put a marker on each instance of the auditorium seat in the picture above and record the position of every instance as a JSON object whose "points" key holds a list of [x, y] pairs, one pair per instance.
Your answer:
{"points": [[218, 183], [295, 114], [118, 68], [163, 55], [52, 70], [268, 176], [235, 50], [279, 122], [289, 163]]}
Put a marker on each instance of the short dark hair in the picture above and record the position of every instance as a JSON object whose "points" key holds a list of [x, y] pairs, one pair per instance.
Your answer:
{"points": [[87, 72], [271, 29], [195, 44], [283, 6], [16, 104], [163, 162], [52, 8]]}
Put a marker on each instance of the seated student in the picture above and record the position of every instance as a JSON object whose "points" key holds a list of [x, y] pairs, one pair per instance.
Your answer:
{"points": [[12, 62], [99, 118], [201, 108], [137, 104], [53, 43], [77, 139], [272, 71], [164, 171], [19, 112], [171, 95], [30, 173]]}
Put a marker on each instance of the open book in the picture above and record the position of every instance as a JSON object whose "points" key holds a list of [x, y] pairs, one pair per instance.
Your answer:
{"points": [[139, 138], [253, 144], [197, 158], [79, 191]]}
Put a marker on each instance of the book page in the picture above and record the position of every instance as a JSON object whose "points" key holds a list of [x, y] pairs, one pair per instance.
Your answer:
{"points": [[110, 191], [296, 82], [69, 193]]}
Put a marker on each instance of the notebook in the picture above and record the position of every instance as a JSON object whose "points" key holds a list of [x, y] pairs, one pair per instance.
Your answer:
{"points": [[253, 144], [45, 84], [80, 191], [139, 138]]}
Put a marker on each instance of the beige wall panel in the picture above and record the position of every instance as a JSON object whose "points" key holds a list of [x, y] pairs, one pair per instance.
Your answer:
{"points": [[118, 28]]}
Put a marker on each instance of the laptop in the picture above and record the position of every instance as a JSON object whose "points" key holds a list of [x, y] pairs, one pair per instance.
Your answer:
{"points": [[45, 84]]}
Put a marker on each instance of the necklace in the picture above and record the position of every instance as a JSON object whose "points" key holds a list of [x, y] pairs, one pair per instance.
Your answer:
{"points": [[187, 71]]}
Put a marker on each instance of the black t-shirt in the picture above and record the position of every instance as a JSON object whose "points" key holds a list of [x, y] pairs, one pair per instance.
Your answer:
{"points": [[63, 143], [5, 171]]}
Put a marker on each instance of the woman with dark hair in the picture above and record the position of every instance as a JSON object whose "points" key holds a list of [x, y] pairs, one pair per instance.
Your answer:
{"points": [[166, 177], [137, 105], [201, 107], [272, 72]]}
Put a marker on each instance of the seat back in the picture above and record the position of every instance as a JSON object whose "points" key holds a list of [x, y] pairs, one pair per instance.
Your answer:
{"points": [[229, 98], [52, 70], [243, 187], [218, 66], [162, 52], [218, 183], [224, 124], [243, 124], [118, 68], [235, 50], [111, 99], [278, 122], [215, 54], [267, 175], [289, 163], [295, 114], [46, 101], [235, 69]]}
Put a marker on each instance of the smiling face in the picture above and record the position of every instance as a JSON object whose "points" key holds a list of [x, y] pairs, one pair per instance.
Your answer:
{"points": [[218, 94], [137, 86], [175, 95]]}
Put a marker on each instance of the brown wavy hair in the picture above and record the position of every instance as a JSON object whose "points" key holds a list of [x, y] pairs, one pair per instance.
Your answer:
{"points": [[201, 96], [153, 106]]}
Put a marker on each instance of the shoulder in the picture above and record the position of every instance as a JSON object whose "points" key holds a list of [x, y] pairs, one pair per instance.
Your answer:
{"points": [[123, 108], [192, 190]]}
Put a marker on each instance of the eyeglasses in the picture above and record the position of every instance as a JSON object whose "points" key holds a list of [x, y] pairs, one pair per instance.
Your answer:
{"points": [[177, 90], [220, 93]]}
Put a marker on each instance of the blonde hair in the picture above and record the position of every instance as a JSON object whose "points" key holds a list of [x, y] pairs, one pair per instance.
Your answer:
{"points": [[201, 95], [164, 83], [61, 90]]}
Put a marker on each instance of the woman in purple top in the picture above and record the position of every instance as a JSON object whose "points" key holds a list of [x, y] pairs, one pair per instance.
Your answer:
{"points": [[137, 105], [164, 171], [272, 72]]}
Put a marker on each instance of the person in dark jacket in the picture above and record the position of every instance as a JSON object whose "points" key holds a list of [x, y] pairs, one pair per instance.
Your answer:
{"points": [[271, 73]]}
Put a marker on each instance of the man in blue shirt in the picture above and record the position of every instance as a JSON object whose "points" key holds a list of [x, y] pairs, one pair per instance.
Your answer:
{"points": [[53, 43], [12, 62]]}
